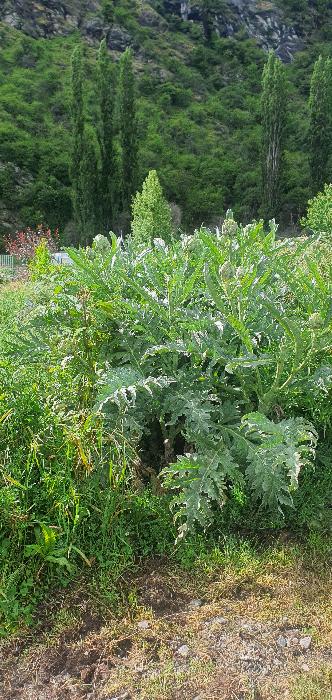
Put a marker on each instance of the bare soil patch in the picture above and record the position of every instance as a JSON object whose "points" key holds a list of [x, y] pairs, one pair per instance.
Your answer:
{"points": [[229, 635]]}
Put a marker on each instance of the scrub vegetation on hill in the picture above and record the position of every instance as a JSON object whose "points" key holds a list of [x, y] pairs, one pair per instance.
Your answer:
{"points": [[199, 119]]}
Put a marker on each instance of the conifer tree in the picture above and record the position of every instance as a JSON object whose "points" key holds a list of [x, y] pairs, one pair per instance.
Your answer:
{"points": [[77, 113], [128, 130], [151, 212], [90, 178], [84, 164], [273, 111], [108, 179], [320, 123]]}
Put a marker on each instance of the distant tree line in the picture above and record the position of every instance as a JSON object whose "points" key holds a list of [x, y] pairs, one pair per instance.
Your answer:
{"points": [[274, 112], [104, 178], [105, 164]]}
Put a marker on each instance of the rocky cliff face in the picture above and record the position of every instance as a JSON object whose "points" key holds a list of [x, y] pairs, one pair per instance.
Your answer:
{"points": [[46, 19], [261, 20], [50, 18]]}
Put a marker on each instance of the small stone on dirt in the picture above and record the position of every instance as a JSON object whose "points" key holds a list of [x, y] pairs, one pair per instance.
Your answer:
{"points": [[195, 604], [218, 620], [305, 667], [305, 643], [143, 625], [282, 642], [183, 651]]}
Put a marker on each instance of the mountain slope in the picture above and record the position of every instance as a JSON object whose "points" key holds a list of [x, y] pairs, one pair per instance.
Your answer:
{"points": [[198, 79], [263, 21]]}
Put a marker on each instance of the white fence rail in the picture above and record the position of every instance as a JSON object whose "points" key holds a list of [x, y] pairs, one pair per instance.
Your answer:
{"points": [[7, 261]]}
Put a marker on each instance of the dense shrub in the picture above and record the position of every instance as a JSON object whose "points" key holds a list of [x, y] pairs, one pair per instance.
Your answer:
{"points": [[319, 215], [24, 244], [152, 217], [195, 374]]}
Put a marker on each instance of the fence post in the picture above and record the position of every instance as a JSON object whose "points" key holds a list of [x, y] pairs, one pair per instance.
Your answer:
{"points": [[7, 261]]}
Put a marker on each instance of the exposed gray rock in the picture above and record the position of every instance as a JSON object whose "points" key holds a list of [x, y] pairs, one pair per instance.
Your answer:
{"points": [[194, 604], [118, 39], [263, 21], [49, 18], [183, 651], [148, 17], [282, 642], [218, 620], [143, 624], [305, 643], [44, 19], [94, 28], [185, 9], [20, 177]]}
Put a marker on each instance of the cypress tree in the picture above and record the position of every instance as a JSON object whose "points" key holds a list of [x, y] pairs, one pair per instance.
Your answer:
{"points": [[84, 163], [273, 111], [90, 179], [128, 131], [108, 180], [320, 123], [77, 113]]}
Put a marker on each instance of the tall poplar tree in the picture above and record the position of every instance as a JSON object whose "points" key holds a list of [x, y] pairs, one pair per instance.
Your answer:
{"points": [[273, 112], [128, 130], [320, 123], [90, 177], [84, 163], [108, 179], [77, 113]]}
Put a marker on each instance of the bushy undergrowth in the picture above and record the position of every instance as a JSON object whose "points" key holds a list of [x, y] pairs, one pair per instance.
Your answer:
{"points": [[196, 374]]}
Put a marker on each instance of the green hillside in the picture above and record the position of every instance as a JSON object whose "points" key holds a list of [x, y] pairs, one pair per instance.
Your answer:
{"points": [[198, 103]]}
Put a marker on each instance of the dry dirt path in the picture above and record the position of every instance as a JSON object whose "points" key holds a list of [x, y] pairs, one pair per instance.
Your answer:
{"points": [[230, 635]]}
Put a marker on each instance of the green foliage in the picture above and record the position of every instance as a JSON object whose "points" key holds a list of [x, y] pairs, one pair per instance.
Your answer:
{"points": [[151, 214], [77, 82], [277, 454], [316, 686], [47, 547], [198, 113], [109, 179], [201, 365], [108, 11], [320, 105], [128, 130], [41, 263], [319, 214], [209, 9], [85, 161], [273, 108]]}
